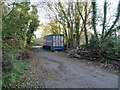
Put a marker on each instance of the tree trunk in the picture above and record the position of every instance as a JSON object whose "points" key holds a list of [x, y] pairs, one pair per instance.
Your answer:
{"points": [[85, 29]]}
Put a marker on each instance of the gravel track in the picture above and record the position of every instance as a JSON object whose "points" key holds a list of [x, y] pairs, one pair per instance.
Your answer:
{"points": [[57, 70]]}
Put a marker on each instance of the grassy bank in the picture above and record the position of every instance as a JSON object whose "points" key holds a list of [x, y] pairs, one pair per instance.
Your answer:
{"points": [[10, 77], [13, 65]]}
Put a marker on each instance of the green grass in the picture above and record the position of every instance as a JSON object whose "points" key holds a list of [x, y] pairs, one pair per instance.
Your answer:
{"points": [[10, 77], [1, 82]]}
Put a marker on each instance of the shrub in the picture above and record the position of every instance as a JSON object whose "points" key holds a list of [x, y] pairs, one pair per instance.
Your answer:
{"points": [[11, 67], [108, 48]]}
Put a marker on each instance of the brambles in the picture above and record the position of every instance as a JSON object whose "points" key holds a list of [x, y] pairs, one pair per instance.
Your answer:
{"points": [[23, 54]]}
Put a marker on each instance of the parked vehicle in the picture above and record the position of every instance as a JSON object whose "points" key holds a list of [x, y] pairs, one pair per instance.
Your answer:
{"points": [[54, 42]]}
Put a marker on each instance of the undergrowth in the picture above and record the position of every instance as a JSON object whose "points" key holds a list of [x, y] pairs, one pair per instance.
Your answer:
{"points": [[12, 66]]}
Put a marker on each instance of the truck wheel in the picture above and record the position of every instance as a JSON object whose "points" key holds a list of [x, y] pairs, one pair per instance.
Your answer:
{"points": [[52, 50]]}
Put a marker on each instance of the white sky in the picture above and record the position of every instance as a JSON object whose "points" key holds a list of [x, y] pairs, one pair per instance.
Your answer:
{"points": [[43, 13]]}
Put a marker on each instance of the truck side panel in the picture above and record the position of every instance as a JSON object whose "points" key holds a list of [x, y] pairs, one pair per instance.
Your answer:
{"points": [[58, 42]]}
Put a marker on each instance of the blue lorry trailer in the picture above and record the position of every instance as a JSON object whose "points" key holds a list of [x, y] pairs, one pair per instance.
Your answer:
{"points": [[54, 42]]}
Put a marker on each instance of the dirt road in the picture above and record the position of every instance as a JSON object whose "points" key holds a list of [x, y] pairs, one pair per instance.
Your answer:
{"points": [[57, 70]]}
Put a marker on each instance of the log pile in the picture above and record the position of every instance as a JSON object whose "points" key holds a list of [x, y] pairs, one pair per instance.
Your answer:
{"points": [[82, 53], [86, 54]]}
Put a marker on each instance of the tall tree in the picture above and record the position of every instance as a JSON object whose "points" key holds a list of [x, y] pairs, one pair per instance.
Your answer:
{"points": [[104, 19], [15, 24], [94, 19], [34, 23], [111, 29]]}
